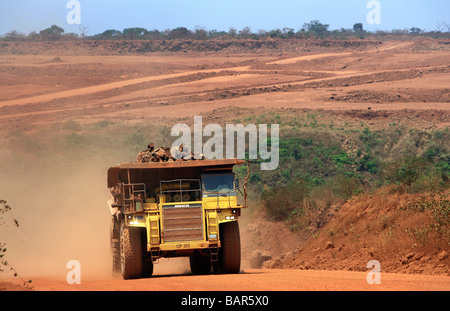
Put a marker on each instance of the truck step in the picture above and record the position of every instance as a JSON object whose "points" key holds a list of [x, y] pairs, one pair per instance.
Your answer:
{"points": [[214, 250]]}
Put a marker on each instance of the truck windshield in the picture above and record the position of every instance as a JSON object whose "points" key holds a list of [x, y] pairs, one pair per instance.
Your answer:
{"points": [[218, 184]]}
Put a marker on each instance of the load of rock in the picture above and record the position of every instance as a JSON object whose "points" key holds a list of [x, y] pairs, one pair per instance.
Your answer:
{"points": [[167, 154]]}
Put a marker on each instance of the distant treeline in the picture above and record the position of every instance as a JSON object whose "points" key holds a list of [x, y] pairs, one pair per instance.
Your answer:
{"points": [[313, 29]]}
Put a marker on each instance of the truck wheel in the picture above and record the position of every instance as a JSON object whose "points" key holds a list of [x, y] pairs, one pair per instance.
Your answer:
{"points": [[200, 264], [230, 251], [115, 246], [131, 252], [147, 268]]}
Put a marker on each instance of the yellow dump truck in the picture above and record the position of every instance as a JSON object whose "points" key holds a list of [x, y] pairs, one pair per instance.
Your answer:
{"points": [[176, 209]]}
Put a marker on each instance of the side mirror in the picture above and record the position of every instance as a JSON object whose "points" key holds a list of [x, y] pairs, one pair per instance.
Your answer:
{"points": [[236, 182]]}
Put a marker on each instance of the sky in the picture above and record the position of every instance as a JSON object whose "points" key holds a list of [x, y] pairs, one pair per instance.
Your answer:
{"points": [[97, 16]]}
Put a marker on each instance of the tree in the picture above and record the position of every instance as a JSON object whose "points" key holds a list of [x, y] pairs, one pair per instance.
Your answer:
{"points": [[33, 36], [200, 33], [5, 208], [415, 30], [179, 33], [245, 32], [135, 33], [52, 33], [316, 28], [110, 34], [288, 32], [358, 27], [83, 31], [232, 32], [14, 36], [214, 33], [442, 26], [262, 33], [275, 33], [153, 35]]}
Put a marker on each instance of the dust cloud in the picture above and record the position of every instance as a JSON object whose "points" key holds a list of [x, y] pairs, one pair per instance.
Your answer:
{"points": [[61, 208], [58, 193], [172, 266], [59, 197]]}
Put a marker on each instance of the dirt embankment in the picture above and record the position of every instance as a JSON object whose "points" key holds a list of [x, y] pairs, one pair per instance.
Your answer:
{"points": [[400, 231], [123, 47]]}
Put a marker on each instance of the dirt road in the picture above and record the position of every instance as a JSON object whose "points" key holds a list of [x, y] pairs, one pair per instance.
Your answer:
{"points": [[88, 88], [258, 280]]}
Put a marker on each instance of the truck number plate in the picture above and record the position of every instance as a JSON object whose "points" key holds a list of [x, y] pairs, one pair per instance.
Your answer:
{"points": [[183, 245]]}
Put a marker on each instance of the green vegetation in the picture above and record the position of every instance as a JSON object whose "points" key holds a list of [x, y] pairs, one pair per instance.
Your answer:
{"points": [[4, 264], [438, 207], [312, 29], [322, 163]]}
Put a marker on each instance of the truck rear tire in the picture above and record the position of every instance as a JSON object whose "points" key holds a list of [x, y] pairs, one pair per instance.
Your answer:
{"points": [[115, 245], [230, 251], [131, 252], [200, 264]]}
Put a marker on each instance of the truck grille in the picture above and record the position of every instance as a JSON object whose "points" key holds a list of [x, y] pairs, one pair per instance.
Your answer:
{"points": [[182, 222]]}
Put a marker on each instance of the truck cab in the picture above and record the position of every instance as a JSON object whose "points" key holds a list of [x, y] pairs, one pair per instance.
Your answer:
{"points": [[176, 209]]}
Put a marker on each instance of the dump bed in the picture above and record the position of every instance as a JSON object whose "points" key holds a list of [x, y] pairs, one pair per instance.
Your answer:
{"points": [[156, 171]]}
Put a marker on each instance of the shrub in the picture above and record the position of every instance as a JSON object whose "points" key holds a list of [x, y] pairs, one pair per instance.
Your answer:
{"points": [[281, 202], [438, 208]]}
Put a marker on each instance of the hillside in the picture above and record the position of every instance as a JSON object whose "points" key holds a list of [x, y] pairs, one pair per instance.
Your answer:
{"points": [[405, 233]]}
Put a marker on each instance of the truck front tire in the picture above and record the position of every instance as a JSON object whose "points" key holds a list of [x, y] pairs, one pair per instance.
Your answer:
{"points": [[230, 251], [131, 252]]}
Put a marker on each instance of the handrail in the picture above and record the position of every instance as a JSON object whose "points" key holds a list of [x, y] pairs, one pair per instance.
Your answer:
{"points": [[180, 190]]}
